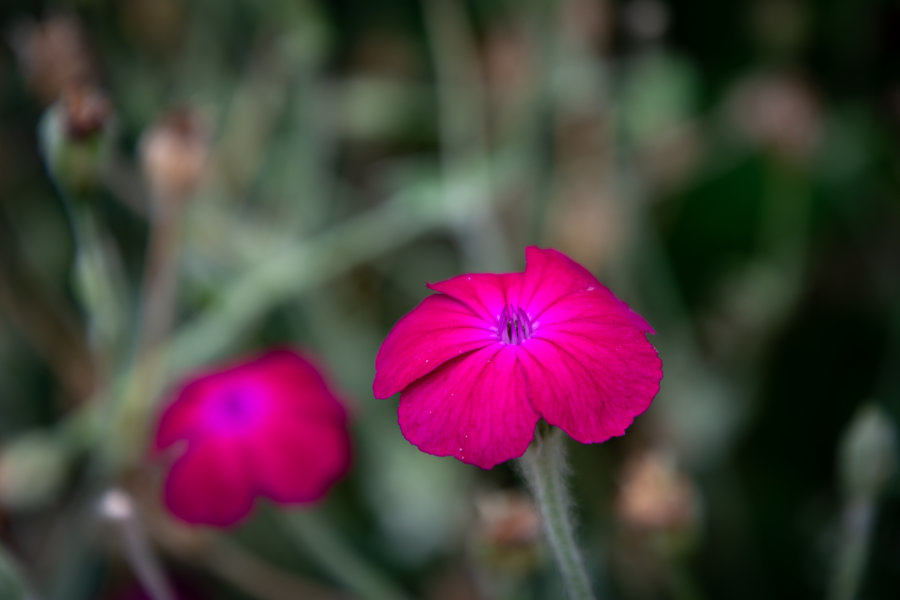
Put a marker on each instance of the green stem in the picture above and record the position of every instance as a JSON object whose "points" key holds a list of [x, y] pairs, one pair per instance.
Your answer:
{"points": [[859, 517], [119, 508], [544, 467], [333, 555], [97, 284], [159, 287], [128, 411], [12, 584]]}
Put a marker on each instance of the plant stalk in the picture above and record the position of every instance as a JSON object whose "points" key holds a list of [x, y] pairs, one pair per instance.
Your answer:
{"points": [[544, 468]]}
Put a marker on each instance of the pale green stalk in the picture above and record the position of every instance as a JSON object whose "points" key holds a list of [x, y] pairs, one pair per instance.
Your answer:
{"points": [[12, 584], [117, 506], [858, 521], [98, 283], [544, 467]]}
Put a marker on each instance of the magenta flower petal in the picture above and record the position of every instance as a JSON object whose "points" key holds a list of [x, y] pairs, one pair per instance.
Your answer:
{"points": [[285, 373], [551, 276], [290, 443], [578, 385], [474, 408], [480, 362], [267, 427], [181, 419], [592, 306], [218, 467], [484, 293], [440, 329]]}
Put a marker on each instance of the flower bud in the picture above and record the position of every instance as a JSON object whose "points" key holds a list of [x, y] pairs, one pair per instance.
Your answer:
{"points": [[659, 510], [509, 531], [779, 112], [76, 135], [868, 452], [655, 495], [174, 154], [54, 54], [86, 112], [32, 471]]}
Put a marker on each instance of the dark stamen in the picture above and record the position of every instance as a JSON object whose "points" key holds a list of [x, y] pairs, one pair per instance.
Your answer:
{"points": [[515, 326]]}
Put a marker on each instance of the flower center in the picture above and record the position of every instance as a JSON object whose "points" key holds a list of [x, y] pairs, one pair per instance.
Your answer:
{"points": [[237, 408], [515, 326]]}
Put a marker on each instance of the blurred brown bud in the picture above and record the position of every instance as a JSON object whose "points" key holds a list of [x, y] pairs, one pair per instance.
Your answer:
{"points": [[672, 156], [76, 135], [86, 111], [54, 54], [174, 154], [779, 112], [589, 224], [509, 531], [656, 496], [32, 471], [868, 452], [659, 512]]}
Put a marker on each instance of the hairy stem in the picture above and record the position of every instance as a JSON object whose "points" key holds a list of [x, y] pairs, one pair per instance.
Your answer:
{"points": [[544, 467]]}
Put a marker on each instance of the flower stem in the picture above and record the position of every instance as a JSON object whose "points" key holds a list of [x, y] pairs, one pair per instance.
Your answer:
{"points": [[98, 283], [544, 468], [858, 522], [12, 584], [118, 506], [331, 554]]}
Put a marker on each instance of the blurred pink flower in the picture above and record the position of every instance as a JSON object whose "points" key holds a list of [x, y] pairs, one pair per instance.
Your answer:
{"points": [[270, 427], [481, 361]]}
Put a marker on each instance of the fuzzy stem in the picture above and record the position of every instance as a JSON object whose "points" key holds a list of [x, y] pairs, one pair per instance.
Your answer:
{"points": [[544, 468]]}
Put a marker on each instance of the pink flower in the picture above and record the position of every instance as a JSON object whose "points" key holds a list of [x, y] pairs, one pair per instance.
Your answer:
{"points": [[267, 427], [481, 361]]}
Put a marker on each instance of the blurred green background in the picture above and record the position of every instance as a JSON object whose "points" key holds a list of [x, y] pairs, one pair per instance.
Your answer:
{"points": [[225, 176]]}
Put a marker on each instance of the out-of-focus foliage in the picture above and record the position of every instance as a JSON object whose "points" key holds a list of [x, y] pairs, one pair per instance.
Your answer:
{"points": [[188, 182]]}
